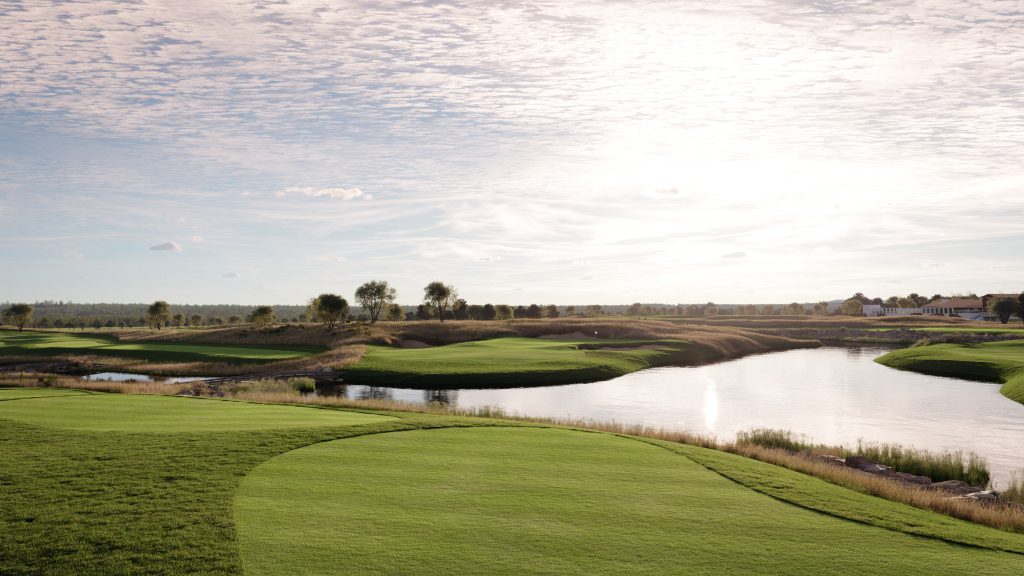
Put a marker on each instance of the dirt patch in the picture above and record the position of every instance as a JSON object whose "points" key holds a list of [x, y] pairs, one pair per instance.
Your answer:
{"points": [[413, 344], [569, 336]]}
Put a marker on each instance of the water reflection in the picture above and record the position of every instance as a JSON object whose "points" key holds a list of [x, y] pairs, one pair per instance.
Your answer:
{"points": [[446, 397], [833, 395], [710, 404]]}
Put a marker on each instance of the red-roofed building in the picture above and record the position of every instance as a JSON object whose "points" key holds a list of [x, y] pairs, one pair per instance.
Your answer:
{"points": [[969, 308]]}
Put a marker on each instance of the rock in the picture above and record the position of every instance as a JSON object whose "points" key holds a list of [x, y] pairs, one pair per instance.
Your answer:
{"points": [[862, 463], [859, 462], [984, 495], [958, 487], [830, 459], [912, 479]]}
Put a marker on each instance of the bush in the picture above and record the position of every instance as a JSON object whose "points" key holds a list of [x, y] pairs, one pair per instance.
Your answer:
{"points": [[939, 466], [773, 438], [1015, 491]]}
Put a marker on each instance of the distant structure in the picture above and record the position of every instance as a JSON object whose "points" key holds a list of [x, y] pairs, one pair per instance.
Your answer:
{"points": [[968, 308]]}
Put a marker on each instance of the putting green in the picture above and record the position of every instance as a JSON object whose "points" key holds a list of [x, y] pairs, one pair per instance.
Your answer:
{"points": [[139, 413], [547, 501], [54, 343]]}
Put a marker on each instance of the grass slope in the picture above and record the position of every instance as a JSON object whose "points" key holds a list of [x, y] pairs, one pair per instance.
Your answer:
{"points": [[512, 499], [518, 362], [989, 361], [544, 501], [56, 343], [138, 413]]}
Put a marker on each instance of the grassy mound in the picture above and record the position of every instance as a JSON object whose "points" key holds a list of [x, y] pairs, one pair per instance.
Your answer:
{"points": [[989, 361], [138, 413], [518, 362], [56, 343], [547, 501]]}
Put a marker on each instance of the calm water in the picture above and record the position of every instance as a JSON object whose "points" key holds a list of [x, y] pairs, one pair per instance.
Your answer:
{"points": [[833, 395]]}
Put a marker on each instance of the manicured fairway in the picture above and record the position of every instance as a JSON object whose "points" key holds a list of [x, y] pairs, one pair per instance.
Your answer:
{"points": [[547, 501], [55, 343], [17, 393], [139, 413], [517, 361], [989, 361]]}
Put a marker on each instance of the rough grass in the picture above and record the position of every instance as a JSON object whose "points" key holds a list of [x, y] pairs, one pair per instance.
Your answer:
{"points": [[346, 345], [939, 466], [536, 501], [989, 361], [143, 413]]}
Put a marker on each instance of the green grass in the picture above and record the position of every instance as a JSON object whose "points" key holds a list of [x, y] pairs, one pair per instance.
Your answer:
{"points": [[56, 343], [18, 393], [518, 362], [988, 361], [350, 497], [536, 501], [140, 413]]}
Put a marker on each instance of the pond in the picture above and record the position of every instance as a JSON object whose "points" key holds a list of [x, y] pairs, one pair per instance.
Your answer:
{"points": [[832, 395]]}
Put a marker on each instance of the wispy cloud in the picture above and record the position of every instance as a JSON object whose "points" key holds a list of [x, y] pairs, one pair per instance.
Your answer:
{"points": [[338, 193], [167, 247]]}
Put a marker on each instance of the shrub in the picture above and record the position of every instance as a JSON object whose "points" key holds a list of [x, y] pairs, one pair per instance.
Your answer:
{"points": [[939, 466], [1015, 491], [773, 438]]}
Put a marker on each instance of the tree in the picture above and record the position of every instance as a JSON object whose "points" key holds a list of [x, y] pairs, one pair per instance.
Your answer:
{"points": [[551, 311], [634, 309], [331, 309], [595, 310], [794, 308], [519, 312], [424, 312], [820, 309], [394, 313], [311, 307], [474, 311], [195, 320], [570, 310], [853, 307], [234, 319], [440, 296], [503, 312], [178, 320], [892, 302], [488, 312], [533, 311], [374, 296], [1004, 308], [460, 310], [158, 314], [18, 314], [711, 310], [262, 316]]}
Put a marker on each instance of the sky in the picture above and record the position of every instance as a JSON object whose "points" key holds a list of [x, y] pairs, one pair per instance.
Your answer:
{"points": [[552, 152]]}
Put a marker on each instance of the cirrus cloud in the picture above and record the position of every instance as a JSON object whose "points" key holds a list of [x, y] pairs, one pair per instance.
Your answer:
{"points": [[166, 247], [338, 193]]}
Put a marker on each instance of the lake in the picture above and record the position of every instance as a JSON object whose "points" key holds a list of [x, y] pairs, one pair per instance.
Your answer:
{"points": [[832, 395]]}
